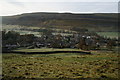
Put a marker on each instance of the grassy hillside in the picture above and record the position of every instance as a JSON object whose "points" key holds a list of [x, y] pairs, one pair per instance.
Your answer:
{"points": [[102, 64], [93, 22]]}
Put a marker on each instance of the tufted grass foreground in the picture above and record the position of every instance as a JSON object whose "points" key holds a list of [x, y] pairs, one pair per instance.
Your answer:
{"points": [[101, 64]]}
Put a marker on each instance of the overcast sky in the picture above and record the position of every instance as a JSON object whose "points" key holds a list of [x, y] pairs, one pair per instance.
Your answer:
{"points": [[13, 7]]}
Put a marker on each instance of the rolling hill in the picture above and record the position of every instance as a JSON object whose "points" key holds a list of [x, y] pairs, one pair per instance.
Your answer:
{"points": [[92, 22]]}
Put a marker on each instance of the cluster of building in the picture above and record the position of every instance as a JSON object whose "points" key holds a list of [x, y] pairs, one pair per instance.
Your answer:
{"points": [[77, 40]]}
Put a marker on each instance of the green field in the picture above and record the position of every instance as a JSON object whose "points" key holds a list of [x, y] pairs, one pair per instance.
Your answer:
{"points": [[45, 50], [101, 64], [29, 30], [18, 28], [109, 34]]}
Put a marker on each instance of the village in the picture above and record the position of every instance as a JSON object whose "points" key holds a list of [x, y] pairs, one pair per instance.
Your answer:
{"points": [[81, 40]]}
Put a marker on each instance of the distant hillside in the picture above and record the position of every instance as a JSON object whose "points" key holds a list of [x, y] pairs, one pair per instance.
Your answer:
{"points": [[92, 22]]}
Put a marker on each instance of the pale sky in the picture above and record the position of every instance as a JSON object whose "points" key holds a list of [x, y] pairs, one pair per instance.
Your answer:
{"points": [[14, 7]]}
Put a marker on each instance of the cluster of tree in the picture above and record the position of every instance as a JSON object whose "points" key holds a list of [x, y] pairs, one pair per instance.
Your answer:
{"points": [[10, 37], [14, 38]]}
